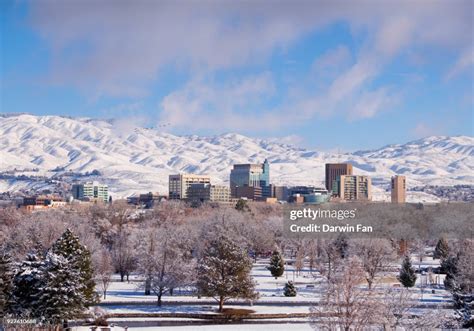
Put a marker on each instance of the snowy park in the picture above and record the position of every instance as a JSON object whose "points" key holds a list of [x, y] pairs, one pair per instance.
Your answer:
{"points": [[104, 269]]}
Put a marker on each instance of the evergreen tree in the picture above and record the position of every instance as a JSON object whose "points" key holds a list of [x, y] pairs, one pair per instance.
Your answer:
{"points": [[69, 246], [450, 267], [341, 245], [62, 294], [289, 290], [464, 306], [407, 274], [27, 283], [6, 283], [442, 249], [224, 272], [242, 205], [277, 264]]}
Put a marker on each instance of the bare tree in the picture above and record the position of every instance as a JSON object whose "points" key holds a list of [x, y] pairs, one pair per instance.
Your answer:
{"points": [[395, 305], [122, 254], [164, 260], [332, 257], [375, 256], [104, 271], [346, 305], [299, 262]]}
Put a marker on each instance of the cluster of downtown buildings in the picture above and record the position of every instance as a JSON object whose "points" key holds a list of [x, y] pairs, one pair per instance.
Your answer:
{"points": [[252, 182], [246, 181]]}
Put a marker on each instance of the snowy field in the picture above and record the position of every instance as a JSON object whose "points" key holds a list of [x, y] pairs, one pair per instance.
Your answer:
{"points": [[269, 288], [127, 298]]}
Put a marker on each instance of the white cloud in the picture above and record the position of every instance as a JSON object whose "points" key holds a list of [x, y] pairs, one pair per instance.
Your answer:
{"points": [[333, 60], [117, 48], [394, 34], [464, 63], [423, 130], [371, 103], [209, 105]]}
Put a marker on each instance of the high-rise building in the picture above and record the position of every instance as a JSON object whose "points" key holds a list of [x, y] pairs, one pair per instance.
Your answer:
{"points": [[179, 184], [353, 188], [399, 187], [334, 170], [90, 191], [251, 175], [206, 192]]}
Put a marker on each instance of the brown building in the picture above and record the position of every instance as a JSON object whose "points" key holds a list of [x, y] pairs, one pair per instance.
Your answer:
{"points": [[208, 193], [353, 188], [334, 170], [399, 187], [249, 192], [179, 184]]}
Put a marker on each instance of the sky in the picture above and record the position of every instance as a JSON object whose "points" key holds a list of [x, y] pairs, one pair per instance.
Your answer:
{"points": [[331, 75]]}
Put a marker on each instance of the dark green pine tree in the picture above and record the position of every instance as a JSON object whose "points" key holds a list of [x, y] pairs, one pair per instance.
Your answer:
{"points": [[224, 272], [442, 249], [341, 245], [69, 246], [6, 284], [407, 274], [242, 205], [277, 264], [289, 290], [27, 282], [62, 296], [450, 267]]}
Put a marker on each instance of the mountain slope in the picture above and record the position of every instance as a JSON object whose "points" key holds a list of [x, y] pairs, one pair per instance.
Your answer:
{"points": [[140, 159]]}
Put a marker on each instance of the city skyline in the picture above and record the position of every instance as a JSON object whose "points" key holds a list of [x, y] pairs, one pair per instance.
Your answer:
{"points": [[295, 72]]}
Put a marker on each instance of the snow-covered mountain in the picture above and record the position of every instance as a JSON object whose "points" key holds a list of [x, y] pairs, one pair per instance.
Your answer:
{"points": [[139, 160]]}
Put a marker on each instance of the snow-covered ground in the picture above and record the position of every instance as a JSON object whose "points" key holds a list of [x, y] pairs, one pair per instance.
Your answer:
{"points": [[269, 288], [127, 298], [229, 327], [124, 296]]}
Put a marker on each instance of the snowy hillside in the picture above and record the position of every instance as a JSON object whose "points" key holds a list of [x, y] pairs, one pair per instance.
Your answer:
{"points": [[140, 159]]}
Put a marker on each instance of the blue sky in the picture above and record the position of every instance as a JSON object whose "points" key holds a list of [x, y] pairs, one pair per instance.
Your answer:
{"points": [[320, 74]]}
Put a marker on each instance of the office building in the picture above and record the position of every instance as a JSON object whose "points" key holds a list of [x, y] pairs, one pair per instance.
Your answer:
{"points": [[248, 192], [179, 184], [251, 175], [146, 200], [353, 188], [90, 191], [281, 193], [398, 189], [208, 193], [334, 170]]}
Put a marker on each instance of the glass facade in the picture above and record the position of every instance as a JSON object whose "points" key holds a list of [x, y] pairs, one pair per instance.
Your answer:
{"points": [[90, 191], [253, 175]]}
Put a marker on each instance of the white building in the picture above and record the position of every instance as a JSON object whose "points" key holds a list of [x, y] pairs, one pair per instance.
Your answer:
{"points": [[91, 191]]}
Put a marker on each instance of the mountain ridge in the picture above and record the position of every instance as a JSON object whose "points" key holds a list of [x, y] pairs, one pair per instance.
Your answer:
{"points": [[134, 159]]}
